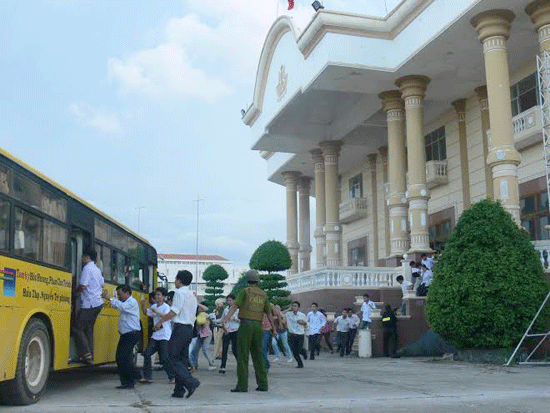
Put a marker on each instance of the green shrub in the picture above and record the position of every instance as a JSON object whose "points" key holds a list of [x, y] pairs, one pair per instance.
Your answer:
{"points": [[270, 257], [489, 282], [214, 276]]}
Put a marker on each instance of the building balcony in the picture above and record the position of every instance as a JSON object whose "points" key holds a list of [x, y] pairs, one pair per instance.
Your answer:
{"points": [[527, 128], [352, 210], [360, 278], [436, 173]]}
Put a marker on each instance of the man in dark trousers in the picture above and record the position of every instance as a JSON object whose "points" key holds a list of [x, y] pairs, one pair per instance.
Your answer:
{"points": [[389, 321], [130, 333], [184, 314], [252, 304]]}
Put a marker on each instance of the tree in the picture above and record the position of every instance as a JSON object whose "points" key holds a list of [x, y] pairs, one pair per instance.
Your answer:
{"points": [[214, 276], [241, 285], [489, 282], [270, 257]]}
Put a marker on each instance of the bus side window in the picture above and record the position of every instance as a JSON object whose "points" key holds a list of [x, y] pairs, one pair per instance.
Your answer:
{"points": [[27, 238], [4, 224]]}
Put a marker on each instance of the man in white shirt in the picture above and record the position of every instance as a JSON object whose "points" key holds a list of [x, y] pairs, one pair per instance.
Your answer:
{"points": [[159, 339], [130, 333], [406, 285], [90, 287], [183, 313], [427, 277], [316, 321], [296, 322], [366, 310], [427, 261], [354, 325], [342, 324]]}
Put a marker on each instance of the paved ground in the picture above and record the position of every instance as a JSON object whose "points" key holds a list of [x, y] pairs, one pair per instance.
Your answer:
{"points": [[329, 384]]}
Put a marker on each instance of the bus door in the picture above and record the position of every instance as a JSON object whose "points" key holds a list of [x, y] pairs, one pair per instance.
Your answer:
{"points": [[79, 241]]}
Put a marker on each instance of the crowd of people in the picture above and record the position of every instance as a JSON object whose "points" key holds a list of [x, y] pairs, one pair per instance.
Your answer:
{"points": [[180, 328]]}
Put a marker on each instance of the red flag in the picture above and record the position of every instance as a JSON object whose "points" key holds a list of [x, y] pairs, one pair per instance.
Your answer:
{"points": [[290, 4]]}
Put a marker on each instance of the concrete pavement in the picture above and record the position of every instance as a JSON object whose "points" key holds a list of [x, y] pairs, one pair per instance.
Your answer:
{"points": [[328, 384]]}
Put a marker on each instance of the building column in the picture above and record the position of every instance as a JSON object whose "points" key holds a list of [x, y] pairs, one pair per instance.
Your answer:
{"points": [[320, 210], [374, 191], [383, 150], [413, 90], [304, 253], [460, 109], [291, 180], [333, 231], [397, 203], [493, 29], [485, 126], [539, 11]]}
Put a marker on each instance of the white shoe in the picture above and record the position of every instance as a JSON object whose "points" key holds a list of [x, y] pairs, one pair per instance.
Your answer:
{"points": [[212, 367], [275, 359], [290, 360]]}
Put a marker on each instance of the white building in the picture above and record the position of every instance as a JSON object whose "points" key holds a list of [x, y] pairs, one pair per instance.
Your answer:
{"points": [[170, 264]]}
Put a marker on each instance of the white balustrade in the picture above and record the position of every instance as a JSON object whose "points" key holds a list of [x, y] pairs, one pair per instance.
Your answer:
{"points": [[344, 277], [353, 209], [543, 249], [436, 173]]}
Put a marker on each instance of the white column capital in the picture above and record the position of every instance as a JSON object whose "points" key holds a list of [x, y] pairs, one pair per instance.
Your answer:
{"points": [[291, 179]]}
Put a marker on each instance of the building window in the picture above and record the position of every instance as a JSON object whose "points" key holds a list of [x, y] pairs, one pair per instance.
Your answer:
{"points": [[534, 215], [439, 234], [357, 253], [436, 148], [356, 186], [524, 94]]}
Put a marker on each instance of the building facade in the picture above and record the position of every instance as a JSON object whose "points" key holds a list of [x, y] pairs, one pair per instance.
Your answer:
{"points": [[170, 264], [395, 125]]}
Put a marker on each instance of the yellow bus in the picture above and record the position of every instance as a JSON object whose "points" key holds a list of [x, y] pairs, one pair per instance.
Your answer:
{"points": [[43, 230]]}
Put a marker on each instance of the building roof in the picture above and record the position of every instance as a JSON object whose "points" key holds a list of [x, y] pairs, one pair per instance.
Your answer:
{"points": [[191, 257]]}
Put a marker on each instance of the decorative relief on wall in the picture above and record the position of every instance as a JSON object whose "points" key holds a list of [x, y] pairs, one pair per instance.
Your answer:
{"points": [[283, 81]]}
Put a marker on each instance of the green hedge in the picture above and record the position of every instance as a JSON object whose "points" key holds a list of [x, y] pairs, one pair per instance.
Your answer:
{"points": [[489, 282]]}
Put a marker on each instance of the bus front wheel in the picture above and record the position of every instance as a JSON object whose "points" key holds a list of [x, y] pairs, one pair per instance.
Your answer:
{"points": [[33, 366]]}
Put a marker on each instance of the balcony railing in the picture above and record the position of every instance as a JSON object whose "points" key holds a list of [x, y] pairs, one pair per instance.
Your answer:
{"points": [[344, 277], [543, 249], [436, 173], [353, 209], [527, 128]]}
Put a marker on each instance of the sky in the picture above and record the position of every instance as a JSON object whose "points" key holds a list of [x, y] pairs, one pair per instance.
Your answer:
{"points": [[135, 106]]}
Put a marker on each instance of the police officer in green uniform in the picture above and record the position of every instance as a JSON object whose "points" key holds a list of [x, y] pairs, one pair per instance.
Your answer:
{"points": [[252, 304]]}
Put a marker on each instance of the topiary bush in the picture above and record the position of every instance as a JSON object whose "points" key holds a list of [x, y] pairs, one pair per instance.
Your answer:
{"points": [[270, 257], [489, 282], [214, 276]]}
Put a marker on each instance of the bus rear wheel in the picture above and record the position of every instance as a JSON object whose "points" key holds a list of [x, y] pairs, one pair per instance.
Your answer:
{"points": [[33, 366]]}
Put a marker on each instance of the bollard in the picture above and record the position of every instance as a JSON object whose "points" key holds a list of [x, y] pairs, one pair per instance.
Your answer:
{"points": [[365, 343]]}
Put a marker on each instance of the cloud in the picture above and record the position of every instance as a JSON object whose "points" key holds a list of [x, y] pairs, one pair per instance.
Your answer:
{"points": [[101, 120], [207, 53]]}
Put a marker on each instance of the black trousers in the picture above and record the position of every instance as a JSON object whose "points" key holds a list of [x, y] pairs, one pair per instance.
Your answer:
{"points": [[125, 357], [314, 345], [390, 336], [84, 330], [228, 338], [343, 342], [162, 347], [296, 342], [351, 338], [178, 349]]}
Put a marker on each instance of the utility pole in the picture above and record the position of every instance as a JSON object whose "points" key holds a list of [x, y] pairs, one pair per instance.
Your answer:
{"points": [[138, 209], [198, 201]]}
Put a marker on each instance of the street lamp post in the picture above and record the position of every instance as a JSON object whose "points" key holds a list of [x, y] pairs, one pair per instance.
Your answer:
{"points": [[198, 200]]}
